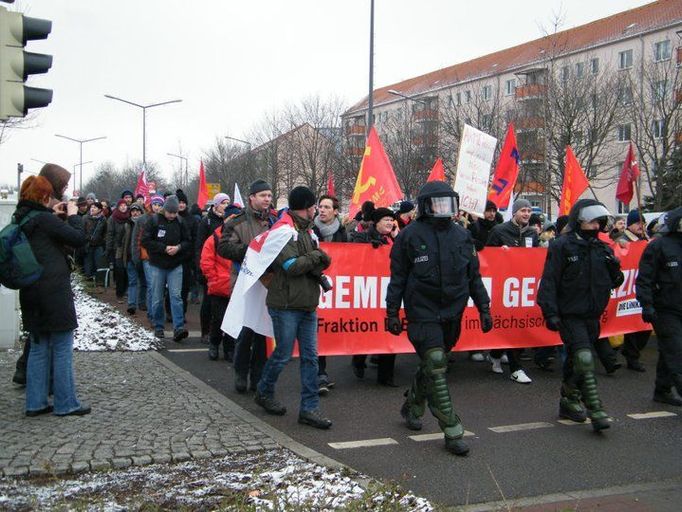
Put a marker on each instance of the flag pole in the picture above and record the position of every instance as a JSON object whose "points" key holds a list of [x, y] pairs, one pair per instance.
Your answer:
{"points": [[639, 208]]}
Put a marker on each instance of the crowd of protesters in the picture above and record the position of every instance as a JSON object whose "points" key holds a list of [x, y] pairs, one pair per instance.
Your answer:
{"points": [[160, 250]]}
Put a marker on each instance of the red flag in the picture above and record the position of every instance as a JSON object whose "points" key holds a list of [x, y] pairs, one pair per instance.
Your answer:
{"points": [[506, 171], [575, 182], [438, 171], [376, 180], [202, 196], [142, 187], [330, 184], [628, 175]]}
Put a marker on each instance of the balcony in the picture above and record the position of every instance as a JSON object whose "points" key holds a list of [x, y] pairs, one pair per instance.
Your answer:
{"points": [[530, 123], [428, 114], [529, 187], [356, 129], [530, 91], [354, 151]]}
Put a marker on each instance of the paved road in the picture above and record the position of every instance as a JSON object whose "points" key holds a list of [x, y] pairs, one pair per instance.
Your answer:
{"points": [[518, 447]]}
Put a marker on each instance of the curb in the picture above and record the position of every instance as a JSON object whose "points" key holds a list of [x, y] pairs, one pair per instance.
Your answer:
{"points": [[281, 438]]}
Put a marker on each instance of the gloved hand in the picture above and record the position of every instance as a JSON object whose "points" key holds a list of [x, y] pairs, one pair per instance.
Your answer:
{"points": [[553, 323], [376, 244], [394, 324], [325, 259], [486, 319], [649, 314]]}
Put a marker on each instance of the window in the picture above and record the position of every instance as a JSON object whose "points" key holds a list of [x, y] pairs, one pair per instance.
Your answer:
{"points": [[510, 87], [467, 96], [594, 66], [658, 129], [662, 50], [580, 70], [486, 121], [487, 92], [625, 94], [625, 59], [459, 98], [658, 89], [565, 73], [624, 133]]}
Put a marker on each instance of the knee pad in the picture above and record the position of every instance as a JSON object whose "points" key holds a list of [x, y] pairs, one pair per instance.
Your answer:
{"points": [[583, 361], [435, 362]]}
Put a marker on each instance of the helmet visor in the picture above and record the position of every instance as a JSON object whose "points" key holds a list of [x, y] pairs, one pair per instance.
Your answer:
{"points": [[443, 207], [590, 213]]}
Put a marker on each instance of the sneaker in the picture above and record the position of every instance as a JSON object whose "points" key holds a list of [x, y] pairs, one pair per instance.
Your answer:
{"points": [[520, 377], [504, 359], [272, 406], [667, 398], [180, 334], [478, 357], [19, 377], [84, 409], [46, 410], [239, 383], [636, 366], [314, 419], [322, 389], [496, 365], [213, 352], [159, 334]]}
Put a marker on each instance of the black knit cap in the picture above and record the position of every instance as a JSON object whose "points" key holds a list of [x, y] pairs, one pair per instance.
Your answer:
{"points": [[382, 212], [182, 197], [301, 198], [259, 186], [490, 205]]}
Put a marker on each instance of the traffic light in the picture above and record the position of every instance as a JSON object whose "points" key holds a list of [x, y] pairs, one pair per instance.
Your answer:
{"points": [[16, 65]]}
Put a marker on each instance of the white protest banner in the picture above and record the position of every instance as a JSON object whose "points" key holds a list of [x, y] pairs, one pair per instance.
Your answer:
{"points": [[473, 169]]}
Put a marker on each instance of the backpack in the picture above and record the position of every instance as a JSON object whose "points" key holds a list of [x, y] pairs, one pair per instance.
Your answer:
{"points": [[18, 265]]}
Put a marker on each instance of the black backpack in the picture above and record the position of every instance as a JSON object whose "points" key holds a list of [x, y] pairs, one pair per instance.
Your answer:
{"points": [[18, 265]]}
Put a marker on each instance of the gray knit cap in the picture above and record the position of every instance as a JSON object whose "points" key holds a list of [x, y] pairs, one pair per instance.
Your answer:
{"points": [[520, 203]]}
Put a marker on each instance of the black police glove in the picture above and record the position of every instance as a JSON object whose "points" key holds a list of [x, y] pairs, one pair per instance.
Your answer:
{"points": [[553, 323], [376, 244], [486, 319], [394, 324], [649, 314]]}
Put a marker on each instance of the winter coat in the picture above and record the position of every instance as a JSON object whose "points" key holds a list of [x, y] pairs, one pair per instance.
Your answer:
{"points": [[191, 223], [205, 228], [659, 282], [481, 228], [297, 269], [47, 305], [160, 233], [138, 253], [95, 230], [115, 237], [512, 235], [434, 270], [339, 235], [214, 267], [238, 233], [370, 236]]}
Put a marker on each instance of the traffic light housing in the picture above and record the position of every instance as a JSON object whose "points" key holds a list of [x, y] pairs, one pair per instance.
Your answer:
{"points": [[16, 65]]}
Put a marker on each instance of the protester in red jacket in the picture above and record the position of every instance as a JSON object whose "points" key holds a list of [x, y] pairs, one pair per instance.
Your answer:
{"points": [[217, 270]]}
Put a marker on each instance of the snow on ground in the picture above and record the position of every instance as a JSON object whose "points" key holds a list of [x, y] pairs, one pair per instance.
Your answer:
{"points": [[274, 480], [101, 327]]}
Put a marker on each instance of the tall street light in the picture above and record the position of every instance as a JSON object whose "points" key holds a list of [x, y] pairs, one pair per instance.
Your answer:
{"points": [[81, 167], [248, 144], [81, 142], [186, 166], [144, 119]]}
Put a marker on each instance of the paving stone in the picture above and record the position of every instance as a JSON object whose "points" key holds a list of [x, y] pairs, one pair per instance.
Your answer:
{"points": [[180, 456], [161, 458], [142, 460], [121, 462], [15, 470], [100, 465], [79, 467]]}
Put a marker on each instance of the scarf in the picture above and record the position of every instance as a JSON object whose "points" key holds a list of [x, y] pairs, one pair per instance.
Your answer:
{"points": [[327, 230], [120, 216]]}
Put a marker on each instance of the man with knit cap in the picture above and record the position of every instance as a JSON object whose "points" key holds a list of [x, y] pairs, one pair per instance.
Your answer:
{"points": [[167, 242], [256, 218], [188, 262], [292, 300], [140, 256], [514, 233]]}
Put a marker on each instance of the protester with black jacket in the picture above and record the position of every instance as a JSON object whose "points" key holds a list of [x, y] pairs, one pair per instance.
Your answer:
{"points": [[47, 307], [189, 263], [659, 291], [434, 271], [481, 228], [167, 242], [95, 225], [580, 272]]}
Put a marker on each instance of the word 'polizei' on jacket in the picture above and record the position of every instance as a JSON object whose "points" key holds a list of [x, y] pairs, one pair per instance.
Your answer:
{"points": [[215, 268], [160, 233], [578, 276], [434, 271], [297, 270], [512, 235], [659, 282]]}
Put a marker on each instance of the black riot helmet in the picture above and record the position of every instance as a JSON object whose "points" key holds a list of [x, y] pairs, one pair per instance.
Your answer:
{"points": [[587, 210], [437, 199]]}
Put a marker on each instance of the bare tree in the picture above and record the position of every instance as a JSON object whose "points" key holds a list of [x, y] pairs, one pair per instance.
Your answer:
{"points": [[108, 181]]}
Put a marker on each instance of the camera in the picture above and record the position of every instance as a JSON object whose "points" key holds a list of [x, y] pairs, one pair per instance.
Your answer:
{"points": [[325, 283]]}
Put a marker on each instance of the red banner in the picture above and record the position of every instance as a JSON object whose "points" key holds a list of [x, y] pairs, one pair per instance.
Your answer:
{"points": [[351, 315]]}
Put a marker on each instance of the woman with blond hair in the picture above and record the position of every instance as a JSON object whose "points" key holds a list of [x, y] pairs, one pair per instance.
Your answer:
{"points": [[47, 307]]}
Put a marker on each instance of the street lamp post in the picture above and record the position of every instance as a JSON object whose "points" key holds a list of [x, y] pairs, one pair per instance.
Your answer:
{"points": [[186, 166], [144, 119], [81, 167], [81, 142], [248, 144]]}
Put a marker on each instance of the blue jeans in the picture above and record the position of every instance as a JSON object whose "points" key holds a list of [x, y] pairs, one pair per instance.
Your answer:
{"points": [[132, 285], [173, 278], [146, 266], [51, 350], [290, 325], [93, 259]]}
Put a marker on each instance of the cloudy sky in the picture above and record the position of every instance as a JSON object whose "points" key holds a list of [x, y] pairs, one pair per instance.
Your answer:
{"points": [[233, 61]]}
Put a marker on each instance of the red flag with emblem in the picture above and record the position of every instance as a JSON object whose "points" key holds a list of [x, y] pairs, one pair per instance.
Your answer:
{"points": [[376, 180], [628, 175], [142, 187], [575, 182], [506, 171], [202, 196], [330, 184], [438, 171]]}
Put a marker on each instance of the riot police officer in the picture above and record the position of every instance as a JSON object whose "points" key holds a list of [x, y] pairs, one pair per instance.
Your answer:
{"points": [[580, 272], [434, 270]]}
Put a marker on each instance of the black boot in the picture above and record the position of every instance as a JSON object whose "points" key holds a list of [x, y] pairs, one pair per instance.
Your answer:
{"points": [[584, 368], [213, 352], [570, 406]]}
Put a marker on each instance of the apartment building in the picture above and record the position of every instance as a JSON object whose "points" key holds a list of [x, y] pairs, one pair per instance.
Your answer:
{"points": [[596, 87]]}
